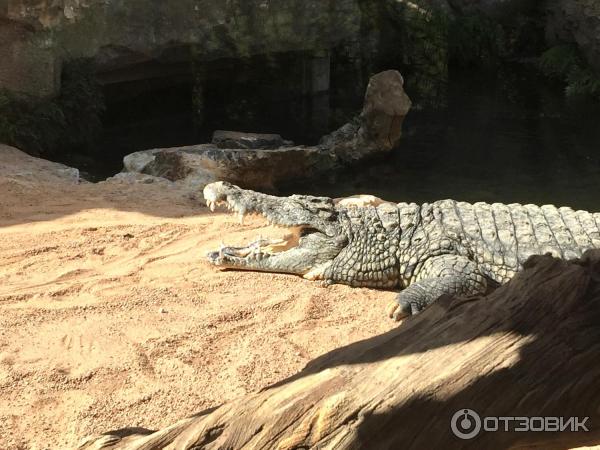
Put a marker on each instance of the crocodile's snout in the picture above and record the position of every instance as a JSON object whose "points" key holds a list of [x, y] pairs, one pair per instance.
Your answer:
{"points": [[312, 226]]}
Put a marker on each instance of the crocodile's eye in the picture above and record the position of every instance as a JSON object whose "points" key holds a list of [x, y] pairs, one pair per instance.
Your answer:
{"points": [[341, 240]]}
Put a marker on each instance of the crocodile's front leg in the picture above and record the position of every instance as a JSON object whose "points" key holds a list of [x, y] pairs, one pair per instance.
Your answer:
{"points": [[447, 274]]}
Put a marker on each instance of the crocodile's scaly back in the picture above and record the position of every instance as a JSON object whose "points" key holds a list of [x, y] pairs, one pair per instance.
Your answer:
{"points": [[456, 248], [499, 237]]}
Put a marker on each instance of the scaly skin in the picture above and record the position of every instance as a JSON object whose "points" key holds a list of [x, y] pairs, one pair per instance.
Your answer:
{"points": [[428, 250]]}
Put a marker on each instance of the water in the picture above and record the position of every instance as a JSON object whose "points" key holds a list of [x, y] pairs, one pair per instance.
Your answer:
{"points": [[505, 137]]}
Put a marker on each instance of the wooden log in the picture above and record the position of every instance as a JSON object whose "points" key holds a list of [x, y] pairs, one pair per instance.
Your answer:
{"points": [[531, 348]]}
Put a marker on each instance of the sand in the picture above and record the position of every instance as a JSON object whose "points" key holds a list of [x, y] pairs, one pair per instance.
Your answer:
{"points": [[110, 318]]}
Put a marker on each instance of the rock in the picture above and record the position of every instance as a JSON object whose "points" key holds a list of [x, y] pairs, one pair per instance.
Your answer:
{"points": [[576, 21], [379, 127], [70, 174], [136, 40], [135, 162], [136, 178], [20, 167], [529, 349], [236, 139], [121, 37], [498, 9], [386, 105], [27, 67], [377, 130], [195, 166]]}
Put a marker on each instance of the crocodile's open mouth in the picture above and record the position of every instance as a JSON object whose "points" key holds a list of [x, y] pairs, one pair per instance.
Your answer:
{"points": [[258, 250], [307, 247]]}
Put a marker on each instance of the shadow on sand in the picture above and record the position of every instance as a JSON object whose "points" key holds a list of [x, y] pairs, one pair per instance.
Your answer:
{"points": [[539, 359]]}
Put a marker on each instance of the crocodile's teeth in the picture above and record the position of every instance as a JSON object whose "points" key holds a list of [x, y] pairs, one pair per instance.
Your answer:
{"points": [[257, 252], [241, 218], [221, 249]]}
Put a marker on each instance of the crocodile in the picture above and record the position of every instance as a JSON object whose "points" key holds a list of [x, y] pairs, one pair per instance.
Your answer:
{"points": [[424, 250]]}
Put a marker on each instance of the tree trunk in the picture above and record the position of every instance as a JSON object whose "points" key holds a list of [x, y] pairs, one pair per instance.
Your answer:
{"points": [[531, 348]]}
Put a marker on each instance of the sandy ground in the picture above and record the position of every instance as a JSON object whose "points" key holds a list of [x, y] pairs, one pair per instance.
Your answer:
{"points": [[110, 318]]}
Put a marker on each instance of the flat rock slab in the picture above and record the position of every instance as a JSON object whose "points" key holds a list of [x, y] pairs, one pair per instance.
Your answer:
{"points": [[198, 165], [256, 141], [22, 168]]}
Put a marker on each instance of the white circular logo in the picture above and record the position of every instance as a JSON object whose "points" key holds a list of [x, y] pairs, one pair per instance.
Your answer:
{"points": [[465, 424]]}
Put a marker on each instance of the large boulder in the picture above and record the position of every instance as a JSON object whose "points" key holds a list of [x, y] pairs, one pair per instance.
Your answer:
{"points": [[236, 139], [21, 168], [234, 156], [379, 127], [193, 167], [26, 66]]}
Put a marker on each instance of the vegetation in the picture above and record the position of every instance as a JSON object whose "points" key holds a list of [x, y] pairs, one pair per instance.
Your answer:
{"points": [[565, 63], [425, 45], [475, 40], [431, 42], [71, 119]]}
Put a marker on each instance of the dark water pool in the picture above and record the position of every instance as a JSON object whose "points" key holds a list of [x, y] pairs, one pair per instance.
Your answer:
{"points": [[505, 137]]}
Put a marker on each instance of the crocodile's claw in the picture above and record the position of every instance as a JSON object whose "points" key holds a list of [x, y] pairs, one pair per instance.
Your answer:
{"points": [[397, 311]]}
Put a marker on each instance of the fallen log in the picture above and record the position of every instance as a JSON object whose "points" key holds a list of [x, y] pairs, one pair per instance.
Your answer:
{"points": [[529, 349]]}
